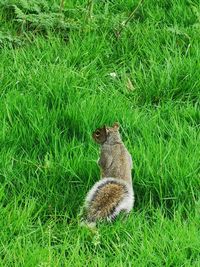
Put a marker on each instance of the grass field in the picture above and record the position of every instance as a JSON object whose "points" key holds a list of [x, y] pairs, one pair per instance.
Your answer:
{"points": [[55, 91]]}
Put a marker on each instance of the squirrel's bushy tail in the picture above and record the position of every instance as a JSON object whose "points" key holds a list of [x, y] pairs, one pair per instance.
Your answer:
{"points": [[106, 199]]}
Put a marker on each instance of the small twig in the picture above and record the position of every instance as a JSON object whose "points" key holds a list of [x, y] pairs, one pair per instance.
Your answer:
{"points": [[90, 8], [61, 5], [123, 25]]}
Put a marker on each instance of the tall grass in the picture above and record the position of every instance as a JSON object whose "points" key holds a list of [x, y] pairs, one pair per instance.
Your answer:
{"points": [[54, 93]]}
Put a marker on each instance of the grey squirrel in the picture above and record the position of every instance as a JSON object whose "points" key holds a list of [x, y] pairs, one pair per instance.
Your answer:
{"points": [[114, 192]]}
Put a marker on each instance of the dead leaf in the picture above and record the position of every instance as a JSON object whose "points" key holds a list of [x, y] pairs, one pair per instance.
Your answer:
{"points": [[129, 85]]}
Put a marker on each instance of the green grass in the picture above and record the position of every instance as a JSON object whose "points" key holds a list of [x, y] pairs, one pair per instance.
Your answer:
{"points": [[54, 93]]}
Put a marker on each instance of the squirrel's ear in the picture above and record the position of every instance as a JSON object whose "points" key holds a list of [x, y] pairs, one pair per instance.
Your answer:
{"points": [[105, 129], [116, 126]]}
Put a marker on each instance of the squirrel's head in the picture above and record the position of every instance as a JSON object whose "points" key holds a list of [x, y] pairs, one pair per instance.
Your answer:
{"points": [[107, 134]]}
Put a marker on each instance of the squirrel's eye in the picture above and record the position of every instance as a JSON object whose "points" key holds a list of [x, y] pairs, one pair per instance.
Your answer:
{"points": [[97, 133]]}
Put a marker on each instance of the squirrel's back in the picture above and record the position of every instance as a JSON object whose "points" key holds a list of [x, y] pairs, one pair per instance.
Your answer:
{"points": [[115, 160], [121, 162]]}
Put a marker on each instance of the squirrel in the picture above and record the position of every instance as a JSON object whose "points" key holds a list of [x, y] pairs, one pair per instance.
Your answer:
{"points": [[114, 192]]}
